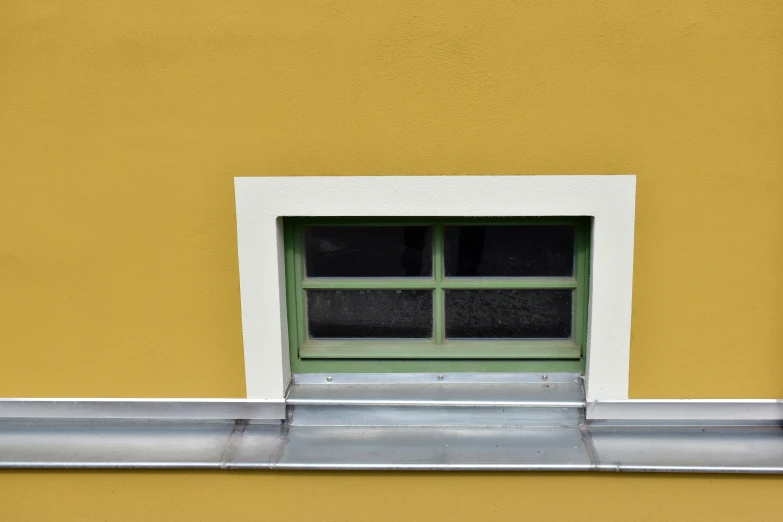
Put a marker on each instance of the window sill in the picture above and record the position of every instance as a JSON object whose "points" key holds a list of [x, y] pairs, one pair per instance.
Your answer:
{"points": [[440, 425], [555, 349], [475, 390]]}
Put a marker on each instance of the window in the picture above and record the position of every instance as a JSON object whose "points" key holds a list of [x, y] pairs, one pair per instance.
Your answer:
{"points": [[437, 294], [267, 206]]}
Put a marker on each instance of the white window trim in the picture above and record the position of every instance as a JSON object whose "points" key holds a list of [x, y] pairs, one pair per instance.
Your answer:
{"points": [[262, 202]]}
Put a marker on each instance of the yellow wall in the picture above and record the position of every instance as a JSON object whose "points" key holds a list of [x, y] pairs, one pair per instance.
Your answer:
{"points": [[173, 496], [122, 125], [122, 128]]}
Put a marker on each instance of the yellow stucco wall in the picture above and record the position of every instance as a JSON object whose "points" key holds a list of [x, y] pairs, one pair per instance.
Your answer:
{"points": [[122, 128], [171, 496], [122, 125]]}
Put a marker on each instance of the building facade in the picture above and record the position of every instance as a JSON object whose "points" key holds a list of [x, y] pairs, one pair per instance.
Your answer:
{"points": [[124, 126]]}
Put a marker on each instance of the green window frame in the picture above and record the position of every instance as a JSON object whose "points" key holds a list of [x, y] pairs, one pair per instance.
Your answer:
{"points": [[438, 354]]}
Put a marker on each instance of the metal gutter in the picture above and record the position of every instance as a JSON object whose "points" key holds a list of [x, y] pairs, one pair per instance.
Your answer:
{"points": [[239, 445], [319, 434]]}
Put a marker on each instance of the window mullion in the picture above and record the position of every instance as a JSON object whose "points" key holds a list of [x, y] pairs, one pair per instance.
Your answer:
{"points": [[437, 267], [360, 283], [504, 283]]}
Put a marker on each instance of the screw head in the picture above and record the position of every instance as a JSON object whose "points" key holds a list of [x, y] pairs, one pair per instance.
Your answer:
{"points": [[440, 377], [329, 379], [545, 377]]}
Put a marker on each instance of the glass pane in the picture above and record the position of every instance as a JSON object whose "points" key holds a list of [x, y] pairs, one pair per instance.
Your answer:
{"points": [[368, 251], [382, 314], [509, 250], [508, 314]]}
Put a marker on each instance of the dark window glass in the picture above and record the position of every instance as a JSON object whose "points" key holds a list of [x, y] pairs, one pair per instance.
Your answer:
{"points": [[508, 314], [369, 313], [509, 250], [358, 251]]}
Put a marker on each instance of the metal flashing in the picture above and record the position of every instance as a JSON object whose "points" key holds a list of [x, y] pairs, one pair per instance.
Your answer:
{"points": [[662, 410], [146, 409], [475, 432], [103, 443]]}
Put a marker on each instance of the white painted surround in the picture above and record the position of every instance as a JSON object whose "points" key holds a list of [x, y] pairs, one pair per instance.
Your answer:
{"points": [[262, 202]]}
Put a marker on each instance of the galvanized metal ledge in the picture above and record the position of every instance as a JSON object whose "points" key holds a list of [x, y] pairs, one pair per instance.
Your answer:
{"points": [[142, 409], [135, 444], [481, 422], [464, 390], [479, 439]]}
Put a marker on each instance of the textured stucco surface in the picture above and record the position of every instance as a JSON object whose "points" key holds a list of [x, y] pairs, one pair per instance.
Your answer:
{"points": [[122, 125], [386, 496]]}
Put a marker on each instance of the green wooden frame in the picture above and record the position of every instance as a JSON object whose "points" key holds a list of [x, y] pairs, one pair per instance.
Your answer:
{"points": [[437, 354]]}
